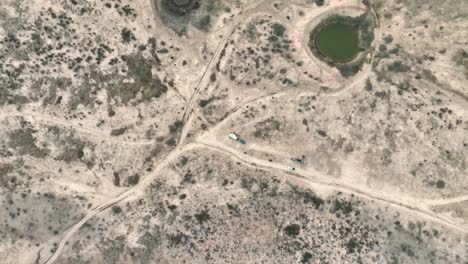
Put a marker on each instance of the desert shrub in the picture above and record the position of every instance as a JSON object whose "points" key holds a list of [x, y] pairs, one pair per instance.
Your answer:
{"points": [[74, 154], [204, 102], [176, 127], [128, 11], [382, 48], [460, 57], [139, 69], [82, 95], [153, 90], [407, 249], [134, 179], [366, 31], [19, 100], [150, 240], [352, 246], [310, 197], [398, 66], [428, 75], [70, 146], [183, 160], [116, 179], [351, 68], [387, 15], [395, 51], [8, 178], [321, 132], [306, 257], [23, 141], [382, 94], [388, 39], [73, 149], [116, 209], [251, 31], [4, 96], [247, 183], [292, 230], [127, 35], [171, 142], [278, 29], [211, 5], [343, 206], [213, 77], [202, 217], [177, 239], [368, 85], [439, 184], [319, 2], [118, 131], [204, 22], [267, 127]]}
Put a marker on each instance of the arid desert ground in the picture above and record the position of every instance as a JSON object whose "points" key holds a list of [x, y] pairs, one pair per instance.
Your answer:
{"points": [[116, 116]]}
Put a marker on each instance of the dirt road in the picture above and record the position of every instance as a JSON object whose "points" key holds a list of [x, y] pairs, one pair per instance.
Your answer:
{"points": [[142, 185], [306, 178], [189, 111], [315, 178]]}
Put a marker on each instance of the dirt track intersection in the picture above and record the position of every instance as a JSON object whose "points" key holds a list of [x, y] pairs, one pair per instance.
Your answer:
{"points": [[115, 119]]}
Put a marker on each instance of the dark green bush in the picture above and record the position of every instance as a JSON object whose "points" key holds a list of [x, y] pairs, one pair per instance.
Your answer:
{"points": [[213, 77], [292, 230], [116, 209], [319, 2], [202, 217], [343, 206], [133, 180], [398, 66], [205, 102], [127, 35], [23, 141], [205, 22], [278, 29], [310, 197], [118, 131], [352, 246], [176, 127], [460, 57], [306, 257], [368, 85]]}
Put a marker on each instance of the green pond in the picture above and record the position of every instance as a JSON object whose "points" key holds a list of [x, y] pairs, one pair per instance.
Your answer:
{"points": [[338, 41]]}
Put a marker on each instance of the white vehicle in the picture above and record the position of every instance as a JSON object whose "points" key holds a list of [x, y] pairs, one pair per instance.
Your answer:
{"points": [[233, 136], [291, 168]]}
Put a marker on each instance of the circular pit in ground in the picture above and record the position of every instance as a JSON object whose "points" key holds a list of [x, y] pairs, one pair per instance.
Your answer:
{"points": [[180, 7], [338, 41]]}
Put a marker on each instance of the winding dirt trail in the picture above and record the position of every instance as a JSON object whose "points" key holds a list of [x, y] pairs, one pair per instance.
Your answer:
{"points": [[250, 10], [308, 177], [207, 140], [447, 201], [140, 187], [418, 206]]}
